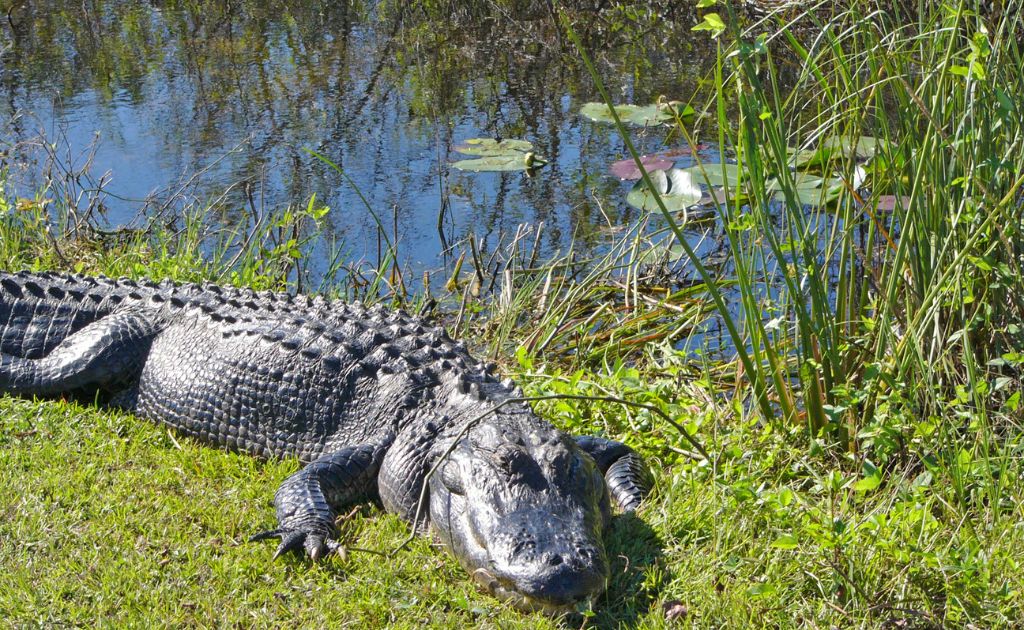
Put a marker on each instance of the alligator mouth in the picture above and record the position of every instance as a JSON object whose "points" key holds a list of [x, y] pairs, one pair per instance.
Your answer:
{"points": [[505, 592]]}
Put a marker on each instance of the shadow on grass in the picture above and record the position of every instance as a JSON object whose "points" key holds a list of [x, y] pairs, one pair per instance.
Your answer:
{"points": [[637, 573]]}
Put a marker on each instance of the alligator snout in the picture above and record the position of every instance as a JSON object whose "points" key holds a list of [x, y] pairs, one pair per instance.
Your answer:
{"points": [[548, 562], [554, 591], [561, 583]]}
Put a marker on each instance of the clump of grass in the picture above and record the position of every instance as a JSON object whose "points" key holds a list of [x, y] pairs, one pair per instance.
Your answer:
{"points": [[867, 305], [879, 347]]}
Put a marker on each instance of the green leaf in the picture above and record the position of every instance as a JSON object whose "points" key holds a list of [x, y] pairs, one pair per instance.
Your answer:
{"points": [[864, 147], [868, 484], [490, 146], [715, 174], [498, 155], [800, 181], [641, 116], [712, 22], [786, 541], [496, 163], [676, 187], [835, 148], [809, 190], [786, 497], [807, 158], [1012, 403]]}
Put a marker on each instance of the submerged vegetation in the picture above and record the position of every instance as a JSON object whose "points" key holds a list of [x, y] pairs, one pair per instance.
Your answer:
{"points": [[845, 452]]}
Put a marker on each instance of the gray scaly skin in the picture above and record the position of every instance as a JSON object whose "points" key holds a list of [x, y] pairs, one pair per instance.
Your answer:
{"points": [[370, 399]]}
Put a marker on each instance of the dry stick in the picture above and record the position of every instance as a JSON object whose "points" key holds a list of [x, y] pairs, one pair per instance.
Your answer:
{"points": [[258, 216], [476, 263], [526, 399], [396, 269], [462, 308], [536, 245], [195, 176]]}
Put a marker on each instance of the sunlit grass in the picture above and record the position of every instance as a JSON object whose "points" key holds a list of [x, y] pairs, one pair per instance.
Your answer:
{"points": [[865, 453]]}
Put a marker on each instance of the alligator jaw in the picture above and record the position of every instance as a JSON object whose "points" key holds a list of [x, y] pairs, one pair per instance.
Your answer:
{"points": [[491, 584]]}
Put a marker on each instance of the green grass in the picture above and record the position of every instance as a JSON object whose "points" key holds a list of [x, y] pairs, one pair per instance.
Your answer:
{"points": [[866, 451], [109, 518]]}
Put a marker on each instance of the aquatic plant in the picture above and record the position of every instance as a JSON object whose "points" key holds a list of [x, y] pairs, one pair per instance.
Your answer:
{"points": [[498, 155]]}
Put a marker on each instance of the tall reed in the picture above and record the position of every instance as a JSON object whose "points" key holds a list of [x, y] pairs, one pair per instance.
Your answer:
{"points": [[854, 321]]}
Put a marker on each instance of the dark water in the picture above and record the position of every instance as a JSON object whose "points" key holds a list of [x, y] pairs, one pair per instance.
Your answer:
{"points": [[224, 94]]}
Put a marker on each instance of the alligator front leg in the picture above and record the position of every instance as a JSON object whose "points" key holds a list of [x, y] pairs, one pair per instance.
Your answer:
{"points": [[309, 501], [108, 355], [627, 477]]}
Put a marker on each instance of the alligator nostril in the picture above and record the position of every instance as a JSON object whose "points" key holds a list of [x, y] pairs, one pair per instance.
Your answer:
{"points": [[554, 560]]}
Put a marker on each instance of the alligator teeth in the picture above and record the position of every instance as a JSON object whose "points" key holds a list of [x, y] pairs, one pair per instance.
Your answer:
{"points": [[484, 578]]}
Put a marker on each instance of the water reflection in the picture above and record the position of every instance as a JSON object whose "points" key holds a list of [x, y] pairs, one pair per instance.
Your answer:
{"points": [[382, 89]]}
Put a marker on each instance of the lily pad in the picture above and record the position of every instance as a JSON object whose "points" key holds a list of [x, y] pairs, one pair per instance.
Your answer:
{"points": [[716, 174], [627, 169], [808, 158], [496, 163], [863, 148], [809, 190], [676, 187], [639, 115], [498, 155], [802, 181], [490, 146]]}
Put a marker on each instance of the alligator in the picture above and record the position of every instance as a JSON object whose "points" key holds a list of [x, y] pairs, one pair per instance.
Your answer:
{"points": [[379, 405]]}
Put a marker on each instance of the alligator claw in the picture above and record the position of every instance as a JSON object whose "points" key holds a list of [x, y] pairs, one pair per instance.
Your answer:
{"points": [[290, 541], [273, 533], [315, 545]]}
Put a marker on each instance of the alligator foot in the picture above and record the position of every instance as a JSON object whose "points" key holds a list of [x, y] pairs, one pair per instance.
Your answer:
{"points": [[627, 477], [308, 502], [316, 544]]}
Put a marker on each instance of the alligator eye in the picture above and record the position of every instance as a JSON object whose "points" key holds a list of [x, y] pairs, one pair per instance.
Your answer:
{"points": [[452, 479]]}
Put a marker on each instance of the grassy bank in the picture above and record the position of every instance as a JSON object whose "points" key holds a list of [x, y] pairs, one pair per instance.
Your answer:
{"points": [[865, 444]]}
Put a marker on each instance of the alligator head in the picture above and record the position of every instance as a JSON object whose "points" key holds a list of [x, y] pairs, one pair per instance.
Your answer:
{"points": [[524, 509]]}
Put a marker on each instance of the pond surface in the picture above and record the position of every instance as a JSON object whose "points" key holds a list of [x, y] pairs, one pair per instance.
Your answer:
{"points": [[230, 96]]}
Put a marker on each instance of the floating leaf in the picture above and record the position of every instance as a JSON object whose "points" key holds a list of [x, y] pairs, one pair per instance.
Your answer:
{"points": [[716, 174], [833, 148], [865, 147], [498, 155], [518, 162], [800, 180], [639, 115], [490, 146], [676, 188], [806, 158], [627, 169], [809, 190]]}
